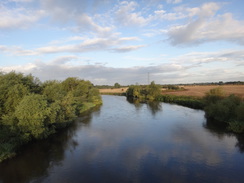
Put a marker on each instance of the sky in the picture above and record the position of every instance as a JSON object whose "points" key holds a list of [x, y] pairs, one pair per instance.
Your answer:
{"points": [[125, 42]]}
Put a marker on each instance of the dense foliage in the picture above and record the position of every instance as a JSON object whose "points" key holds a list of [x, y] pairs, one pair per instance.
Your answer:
{"points": [[31, 110], [172, 87], [117, 85], [228, 110], [149, 92], [188, 101]]}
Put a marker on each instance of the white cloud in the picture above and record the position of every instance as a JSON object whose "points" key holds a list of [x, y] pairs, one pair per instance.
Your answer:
{"points": [[75, 13], [92, 44], [112, 42], [64, 59], [16, 50], [207, 27], [18, 18], [22, 1], [235, 57], [86, 23], [163, 15], [189, 67], [128, 48], [61, 68], [127, 16], [173, 1]]}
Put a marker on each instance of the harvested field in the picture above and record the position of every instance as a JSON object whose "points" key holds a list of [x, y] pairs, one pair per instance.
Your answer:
{"points": [[197, 91], [113, 90]]}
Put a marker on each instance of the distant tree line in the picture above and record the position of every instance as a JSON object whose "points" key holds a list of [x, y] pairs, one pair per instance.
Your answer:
{"points": [[172, 87], [217, 83], [116, 85], [30, 109]]}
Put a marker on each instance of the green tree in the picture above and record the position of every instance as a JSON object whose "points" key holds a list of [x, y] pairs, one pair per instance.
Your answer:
{"points": [[153, 91], [32, 113], [117, 85], [70, 84], [53, 90], [14, 95]]}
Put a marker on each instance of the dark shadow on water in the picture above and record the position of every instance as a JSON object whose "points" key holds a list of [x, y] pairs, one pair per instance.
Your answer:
{"points": [[240, 142], [137, 103], [35, 159], [153, 106], [219, 130]]}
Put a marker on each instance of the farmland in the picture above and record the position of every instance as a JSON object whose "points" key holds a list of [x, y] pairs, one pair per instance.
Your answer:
{"points": [[200, 90], [190, 90]]}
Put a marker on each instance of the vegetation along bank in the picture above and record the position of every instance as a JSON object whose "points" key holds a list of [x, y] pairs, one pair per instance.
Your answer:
{"points": [[228, 110], [32, 110]]}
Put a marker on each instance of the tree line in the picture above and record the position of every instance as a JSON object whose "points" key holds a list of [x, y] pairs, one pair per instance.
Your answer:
{"points": [[30, 109]]}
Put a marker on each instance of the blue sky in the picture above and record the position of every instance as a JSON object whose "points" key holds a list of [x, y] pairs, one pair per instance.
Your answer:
{"points": [[109, 41]]}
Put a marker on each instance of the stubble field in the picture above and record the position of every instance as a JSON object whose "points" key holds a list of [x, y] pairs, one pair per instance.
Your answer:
{"points": [[192, 90]]}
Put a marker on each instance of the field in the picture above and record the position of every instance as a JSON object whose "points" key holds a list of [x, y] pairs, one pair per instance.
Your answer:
{"points": [[192, 90], [113, 90], [199, 91]]}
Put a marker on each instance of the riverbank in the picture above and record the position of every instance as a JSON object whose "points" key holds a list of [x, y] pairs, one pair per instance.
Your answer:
{"points": [[31, 110], [217, 104], [10, 144]]}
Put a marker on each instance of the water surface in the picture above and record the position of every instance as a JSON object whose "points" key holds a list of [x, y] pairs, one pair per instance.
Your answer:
{"points": [[126, 142]]}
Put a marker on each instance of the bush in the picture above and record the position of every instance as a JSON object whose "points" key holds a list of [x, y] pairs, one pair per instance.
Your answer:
{"points": [[214, 95], [228, 110], [187, 101], [150, 92]]}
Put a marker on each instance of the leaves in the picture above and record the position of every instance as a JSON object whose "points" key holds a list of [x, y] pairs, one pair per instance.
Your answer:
{"points": [[30, 109]]}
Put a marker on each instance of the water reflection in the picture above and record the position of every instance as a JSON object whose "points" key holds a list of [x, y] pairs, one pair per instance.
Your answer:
{"points": [[240, 142], [127, 142], [36, 159], [219, 130], [153, 106]]}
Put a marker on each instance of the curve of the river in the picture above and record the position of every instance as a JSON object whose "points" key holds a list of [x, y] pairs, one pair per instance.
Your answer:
{"points": [[127, 142]]}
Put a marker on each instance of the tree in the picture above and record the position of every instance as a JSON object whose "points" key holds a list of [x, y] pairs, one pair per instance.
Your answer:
{"points": [[153, 91], [117, 85], [53, 90], [144, 92], [14, 95], [31, 113]]}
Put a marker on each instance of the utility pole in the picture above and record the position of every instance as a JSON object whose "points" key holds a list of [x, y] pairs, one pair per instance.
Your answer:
{"points": [[148, 78]]}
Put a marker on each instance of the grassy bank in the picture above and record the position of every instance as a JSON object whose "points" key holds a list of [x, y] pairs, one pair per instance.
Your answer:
{"points": [[116, 94], [216, 103], [187, 101]]}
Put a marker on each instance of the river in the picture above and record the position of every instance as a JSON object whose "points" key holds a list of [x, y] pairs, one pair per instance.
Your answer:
{"points": [[126, 142]]}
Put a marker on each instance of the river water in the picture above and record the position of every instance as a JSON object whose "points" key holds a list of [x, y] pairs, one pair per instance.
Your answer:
{"points": [[126, 142]]}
